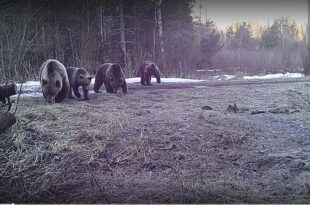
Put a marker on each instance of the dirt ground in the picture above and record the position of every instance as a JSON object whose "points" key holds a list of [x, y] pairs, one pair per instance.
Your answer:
{"points": [[167, 143]]}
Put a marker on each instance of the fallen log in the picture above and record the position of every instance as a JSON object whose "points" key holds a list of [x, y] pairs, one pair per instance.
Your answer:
{"points": [[6, 121], [5, 92]]}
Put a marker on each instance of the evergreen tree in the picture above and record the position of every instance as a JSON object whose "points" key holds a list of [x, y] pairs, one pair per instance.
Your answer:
{"points": [[242, 37], [179, 30], [209, 44], [272, 36]]}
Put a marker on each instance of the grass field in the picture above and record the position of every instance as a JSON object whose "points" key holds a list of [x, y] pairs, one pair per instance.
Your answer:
{"points": [[168, 143]]}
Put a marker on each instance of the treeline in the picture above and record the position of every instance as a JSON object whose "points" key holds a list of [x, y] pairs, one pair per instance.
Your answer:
{"points": [[86, 33], [255, 49]]}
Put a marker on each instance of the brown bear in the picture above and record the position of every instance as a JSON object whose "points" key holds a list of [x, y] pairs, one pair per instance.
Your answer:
{"points": [[112, 76], [54, 81], [146, 71], [78, 77]]}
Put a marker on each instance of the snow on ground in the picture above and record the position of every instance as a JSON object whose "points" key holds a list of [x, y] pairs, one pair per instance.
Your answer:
{"points": [[262, 77], [274, 76], [224, 77], [29, 89], [165, 80], [29, 86], [32, 88]]}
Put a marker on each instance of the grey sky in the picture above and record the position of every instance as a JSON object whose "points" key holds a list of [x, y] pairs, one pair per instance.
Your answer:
{"points": [[226, 12]]}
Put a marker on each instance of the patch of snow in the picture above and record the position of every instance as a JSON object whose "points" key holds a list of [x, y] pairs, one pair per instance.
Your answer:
{"points": [[29, 86], [92, 81], [210, 70], [164, 80], [200, 86], [33, 89], [274, 76], [224, 77], [29, 94]]}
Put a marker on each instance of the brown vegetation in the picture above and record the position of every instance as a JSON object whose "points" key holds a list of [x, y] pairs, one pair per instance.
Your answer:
{"points": [[161, 145]]}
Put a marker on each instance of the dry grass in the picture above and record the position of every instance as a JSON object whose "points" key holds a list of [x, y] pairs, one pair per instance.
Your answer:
{"points": [[154, 145]]}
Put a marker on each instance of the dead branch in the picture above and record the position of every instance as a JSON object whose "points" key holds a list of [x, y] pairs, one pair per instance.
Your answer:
{"points": [[96, 181], [20, 91]]}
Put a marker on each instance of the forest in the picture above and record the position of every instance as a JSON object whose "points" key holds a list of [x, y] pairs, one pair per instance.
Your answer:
{"points": [[90, 32]]}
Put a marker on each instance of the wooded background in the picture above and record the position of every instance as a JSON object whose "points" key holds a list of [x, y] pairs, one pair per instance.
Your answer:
{"points": [[86, 33]]}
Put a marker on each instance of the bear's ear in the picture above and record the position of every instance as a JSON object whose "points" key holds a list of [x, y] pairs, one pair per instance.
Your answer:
{"points": [[44, 82], [90, 77], [57, 84]]}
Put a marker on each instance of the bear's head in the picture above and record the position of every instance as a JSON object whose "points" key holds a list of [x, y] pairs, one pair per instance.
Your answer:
{"points": [[116, 78], [84, 79], [51, 87], [153, 70]]}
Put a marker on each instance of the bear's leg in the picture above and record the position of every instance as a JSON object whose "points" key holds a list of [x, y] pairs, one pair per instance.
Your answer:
{"points": [[76, 92], [97, 85], [115, 89], [44, 95], [148, 80], [85, 92], [143, 79], [124, 87], [109, 88], [70, 93], [158, 79], [63, 94]]}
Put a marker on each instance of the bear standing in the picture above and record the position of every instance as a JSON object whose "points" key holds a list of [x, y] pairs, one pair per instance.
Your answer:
{"points": [[146, 71], [54, 81], [112, 76], [78, 77]]}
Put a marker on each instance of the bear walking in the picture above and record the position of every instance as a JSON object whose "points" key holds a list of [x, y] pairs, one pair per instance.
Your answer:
{"points": [[112, 76], [146, 71], [78, 77], [54, 81]]}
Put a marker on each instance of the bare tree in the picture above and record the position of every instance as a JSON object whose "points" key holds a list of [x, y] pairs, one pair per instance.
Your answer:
{"points": [[122, 32], [158, 4]]}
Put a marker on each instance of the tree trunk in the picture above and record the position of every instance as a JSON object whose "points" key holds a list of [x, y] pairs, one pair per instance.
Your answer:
{"points": [[2, 71], [43, 39], [122, 32], [154, 34], [56, 52], [160, 31], [6, 121], [101, 10]]}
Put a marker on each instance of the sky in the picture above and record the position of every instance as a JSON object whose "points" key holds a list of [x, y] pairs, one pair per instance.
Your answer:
{"points": [[226, 12]]}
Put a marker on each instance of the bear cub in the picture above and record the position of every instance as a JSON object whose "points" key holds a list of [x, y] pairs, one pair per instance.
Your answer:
{"points": [[112, 76], [78, 77], [146, 71]]}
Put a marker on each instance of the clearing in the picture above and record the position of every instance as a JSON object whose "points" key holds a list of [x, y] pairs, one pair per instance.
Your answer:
{"points": [[167, 143]]}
